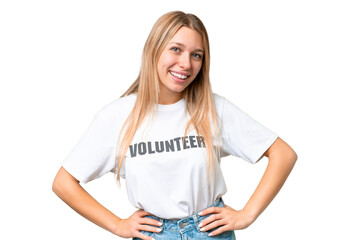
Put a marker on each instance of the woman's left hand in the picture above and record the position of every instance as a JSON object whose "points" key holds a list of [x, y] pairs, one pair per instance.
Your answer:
{"points": [[226, 217]]}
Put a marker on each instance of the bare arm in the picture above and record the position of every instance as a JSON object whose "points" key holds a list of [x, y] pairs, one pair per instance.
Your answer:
{"points": [[70, 191], [282, 159]]}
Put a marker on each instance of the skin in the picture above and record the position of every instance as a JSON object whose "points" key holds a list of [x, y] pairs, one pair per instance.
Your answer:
{"points": [[183, 55], [71, 192], [282, 159]]}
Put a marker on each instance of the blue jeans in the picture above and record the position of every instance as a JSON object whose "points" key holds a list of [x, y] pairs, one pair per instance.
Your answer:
{"points": [[187, 228]]}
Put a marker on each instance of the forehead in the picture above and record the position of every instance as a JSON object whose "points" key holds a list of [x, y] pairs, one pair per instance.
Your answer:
{"points": [[187, 37]]}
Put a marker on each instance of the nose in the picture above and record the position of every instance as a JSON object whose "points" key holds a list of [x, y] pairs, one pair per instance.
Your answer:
{"points": [[185, 61]]}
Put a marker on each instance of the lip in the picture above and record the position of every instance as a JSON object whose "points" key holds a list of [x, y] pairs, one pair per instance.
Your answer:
{"points": [[182, 73], [178, 80]]}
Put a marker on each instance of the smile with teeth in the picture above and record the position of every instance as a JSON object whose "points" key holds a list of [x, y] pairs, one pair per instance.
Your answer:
{"points": [[179, 75]]}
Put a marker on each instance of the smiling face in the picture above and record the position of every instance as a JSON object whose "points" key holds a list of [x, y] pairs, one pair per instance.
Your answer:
{"points": [[179, 64]]}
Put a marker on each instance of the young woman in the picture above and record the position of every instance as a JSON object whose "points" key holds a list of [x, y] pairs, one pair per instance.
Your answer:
{"points": [[166, 135]]}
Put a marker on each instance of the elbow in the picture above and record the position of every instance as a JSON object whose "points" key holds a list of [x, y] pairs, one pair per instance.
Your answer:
{"points": [[290, 158], [290, 155], [62, 182], [293, 157], [56, 186], [281, 152], [280, 149]]}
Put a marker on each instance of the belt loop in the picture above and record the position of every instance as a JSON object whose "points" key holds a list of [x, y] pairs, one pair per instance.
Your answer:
{"points": [[195, 219]]}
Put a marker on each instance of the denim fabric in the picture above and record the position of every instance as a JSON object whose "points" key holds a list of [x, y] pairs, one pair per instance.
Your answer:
{"points": [[187, 228]]}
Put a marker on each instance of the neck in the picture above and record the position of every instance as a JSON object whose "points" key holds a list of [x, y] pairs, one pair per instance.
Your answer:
{"points": [[165, 99]]}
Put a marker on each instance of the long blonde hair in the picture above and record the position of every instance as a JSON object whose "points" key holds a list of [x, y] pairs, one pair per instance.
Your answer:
{"points": [[198, 95]]}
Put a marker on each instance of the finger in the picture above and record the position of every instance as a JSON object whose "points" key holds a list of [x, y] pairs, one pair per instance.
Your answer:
{"points": [[144, 237], [209, 219], [212, 225], [150, 229], [150, 221], [210, 210], [219, 230]]}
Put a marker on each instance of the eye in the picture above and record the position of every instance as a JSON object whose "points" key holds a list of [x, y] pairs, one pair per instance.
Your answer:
{"points": [[175, 49], [196, 55]]}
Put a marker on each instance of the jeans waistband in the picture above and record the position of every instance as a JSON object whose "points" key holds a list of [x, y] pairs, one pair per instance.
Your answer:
{"points": [[188, 223]]}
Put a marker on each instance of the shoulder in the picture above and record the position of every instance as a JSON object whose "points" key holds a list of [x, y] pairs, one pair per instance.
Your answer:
{"points": [[218, 100], [224, 102], [226, 108], [121, 106], [220, 103]]}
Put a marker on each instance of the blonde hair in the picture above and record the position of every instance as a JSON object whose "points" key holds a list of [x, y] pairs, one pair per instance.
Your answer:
{"points": [[198, 95]]}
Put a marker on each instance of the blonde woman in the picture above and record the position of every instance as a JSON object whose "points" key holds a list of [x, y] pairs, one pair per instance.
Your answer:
{"points": [[165, 136]]}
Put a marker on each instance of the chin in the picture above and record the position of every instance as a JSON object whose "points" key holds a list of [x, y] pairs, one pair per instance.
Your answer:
{"points": [[178, 90], [175, 88]]}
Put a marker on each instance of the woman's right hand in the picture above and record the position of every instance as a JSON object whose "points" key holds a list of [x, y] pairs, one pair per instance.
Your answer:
{"points": [[130, 227], [72, 193]]}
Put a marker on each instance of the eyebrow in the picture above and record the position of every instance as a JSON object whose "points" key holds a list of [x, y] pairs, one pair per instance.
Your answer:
{"points": [[182, 45]]}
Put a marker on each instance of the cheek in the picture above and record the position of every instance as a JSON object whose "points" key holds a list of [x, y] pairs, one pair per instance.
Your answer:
{"points": [[197, 68], [166, 61]]}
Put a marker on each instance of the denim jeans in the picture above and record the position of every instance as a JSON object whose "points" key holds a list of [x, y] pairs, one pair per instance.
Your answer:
{"points": [[187, 228]]}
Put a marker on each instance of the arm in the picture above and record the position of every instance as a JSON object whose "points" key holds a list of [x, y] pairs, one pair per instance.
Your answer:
{"points": [[282, 159], [70, 191]]}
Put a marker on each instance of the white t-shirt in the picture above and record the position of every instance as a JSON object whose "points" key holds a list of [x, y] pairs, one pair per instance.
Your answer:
{"points": [[163, 176]]}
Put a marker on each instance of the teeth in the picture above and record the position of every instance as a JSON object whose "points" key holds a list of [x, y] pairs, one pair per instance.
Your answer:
{"points": [[178, 75]]}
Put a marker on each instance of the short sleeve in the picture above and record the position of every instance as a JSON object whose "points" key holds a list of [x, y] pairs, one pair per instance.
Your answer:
{"points": [[91, 156], [243, 136]]}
